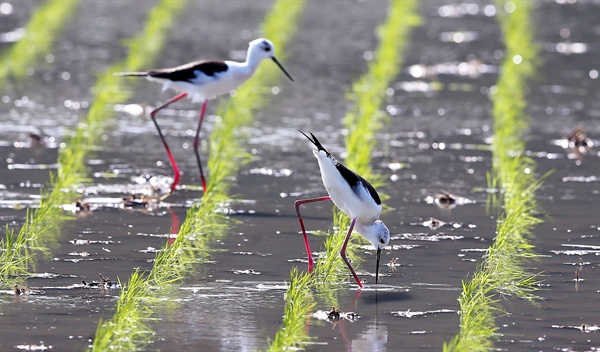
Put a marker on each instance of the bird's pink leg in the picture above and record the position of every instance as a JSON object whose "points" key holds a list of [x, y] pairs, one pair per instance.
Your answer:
{"points": [[343, 253], [176, 172], [311, 263], [197, 145], [174, 226]]}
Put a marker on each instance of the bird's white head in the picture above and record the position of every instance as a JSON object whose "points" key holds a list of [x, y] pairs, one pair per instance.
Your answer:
{"points": [[379, 236], [260, 49], [376, 232]]}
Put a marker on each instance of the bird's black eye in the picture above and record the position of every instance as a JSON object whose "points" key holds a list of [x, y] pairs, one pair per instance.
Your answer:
{"points": [[268, 48], [381, 241]]}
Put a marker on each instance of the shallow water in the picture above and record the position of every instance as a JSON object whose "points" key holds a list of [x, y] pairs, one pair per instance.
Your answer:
{"points": [[437, 141]]}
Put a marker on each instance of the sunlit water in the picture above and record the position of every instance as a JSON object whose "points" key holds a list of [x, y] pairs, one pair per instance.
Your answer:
{"points": [[438, 141]]}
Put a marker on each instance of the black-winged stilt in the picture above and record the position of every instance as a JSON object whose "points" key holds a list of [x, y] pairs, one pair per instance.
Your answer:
{"points": [[355, 197], [203, 80]]}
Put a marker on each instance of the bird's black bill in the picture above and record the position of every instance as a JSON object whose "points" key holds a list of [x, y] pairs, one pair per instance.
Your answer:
{"points": [[377, 269], [283, 69]]}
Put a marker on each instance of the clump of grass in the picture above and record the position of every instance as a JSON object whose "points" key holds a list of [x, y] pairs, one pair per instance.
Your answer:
{"points": [[48, 217], [367, 96], [40, 33], [501, 273], [205, 222]]}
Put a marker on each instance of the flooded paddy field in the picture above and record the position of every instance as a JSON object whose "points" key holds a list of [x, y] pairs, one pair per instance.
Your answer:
{"points": [[437, 141]]}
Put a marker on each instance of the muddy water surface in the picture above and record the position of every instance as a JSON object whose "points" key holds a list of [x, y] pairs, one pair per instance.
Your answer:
{"points": [[437, 141]]}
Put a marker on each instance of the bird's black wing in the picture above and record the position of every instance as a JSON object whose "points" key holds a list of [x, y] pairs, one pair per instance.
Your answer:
{"points": [[355, 180], [187, 72]]}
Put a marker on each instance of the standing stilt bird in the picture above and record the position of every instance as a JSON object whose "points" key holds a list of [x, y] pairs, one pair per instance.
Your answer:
{"points": [[355, 197], [203, 80]]}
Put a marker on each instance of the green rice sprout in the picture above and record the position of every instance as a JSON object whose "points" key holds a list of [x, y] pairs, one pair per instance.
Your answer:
{"points": [[48, 217], [367, 97], [365, 120], [501, 273], [205, 223], [42, 29], [299, 301]]}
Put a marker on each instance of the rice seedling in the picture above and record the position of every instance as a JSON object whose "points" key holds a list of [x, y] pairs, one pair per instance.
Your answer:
{"points": [[367, 96], [501, 272], [364, 120], [48, 217], [205, 223], [41, 31], [299, 301]]}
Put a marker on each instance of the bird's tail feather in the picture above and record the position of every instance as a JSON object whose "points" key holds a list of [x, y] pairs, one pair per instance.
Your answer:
{"points": [[136, 74]]}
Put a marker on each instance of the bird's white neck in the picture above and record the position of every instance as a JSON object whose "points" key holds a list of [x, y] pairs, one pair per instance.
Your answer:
{"points": [[252, 62]]}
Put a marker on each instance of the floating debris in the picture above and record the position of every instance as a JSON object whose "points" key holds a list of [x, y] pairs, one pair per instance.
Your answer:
{"points": [[434, 223], [37, 139], [135, 201], [82, 206], [21, 290], [577, 143], [92, 284], [104, 283], [578, 139], [335, 314], [393, 264], [445, 200]]}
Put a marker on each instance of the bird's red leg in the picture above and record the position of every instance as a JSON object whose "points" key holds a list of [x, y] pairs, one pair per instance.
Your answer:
{"points": [[174, 226], [311, 263], [176, 172], [343, 253], [197, 145]]}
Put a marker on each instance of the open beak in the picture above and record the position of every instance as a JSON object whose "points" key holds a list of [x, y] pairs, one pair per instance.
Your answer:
{"points": [[377, 269], [282, 69]]}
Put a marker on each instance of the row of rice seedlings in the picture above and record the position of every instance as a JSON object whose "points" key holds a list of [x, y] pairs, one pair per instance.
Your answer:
{"points": [[17, 251], [299, 302], [17, 254], [44, 26], [366, 119], [206, 221], [501, 272], [362, 123]]}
